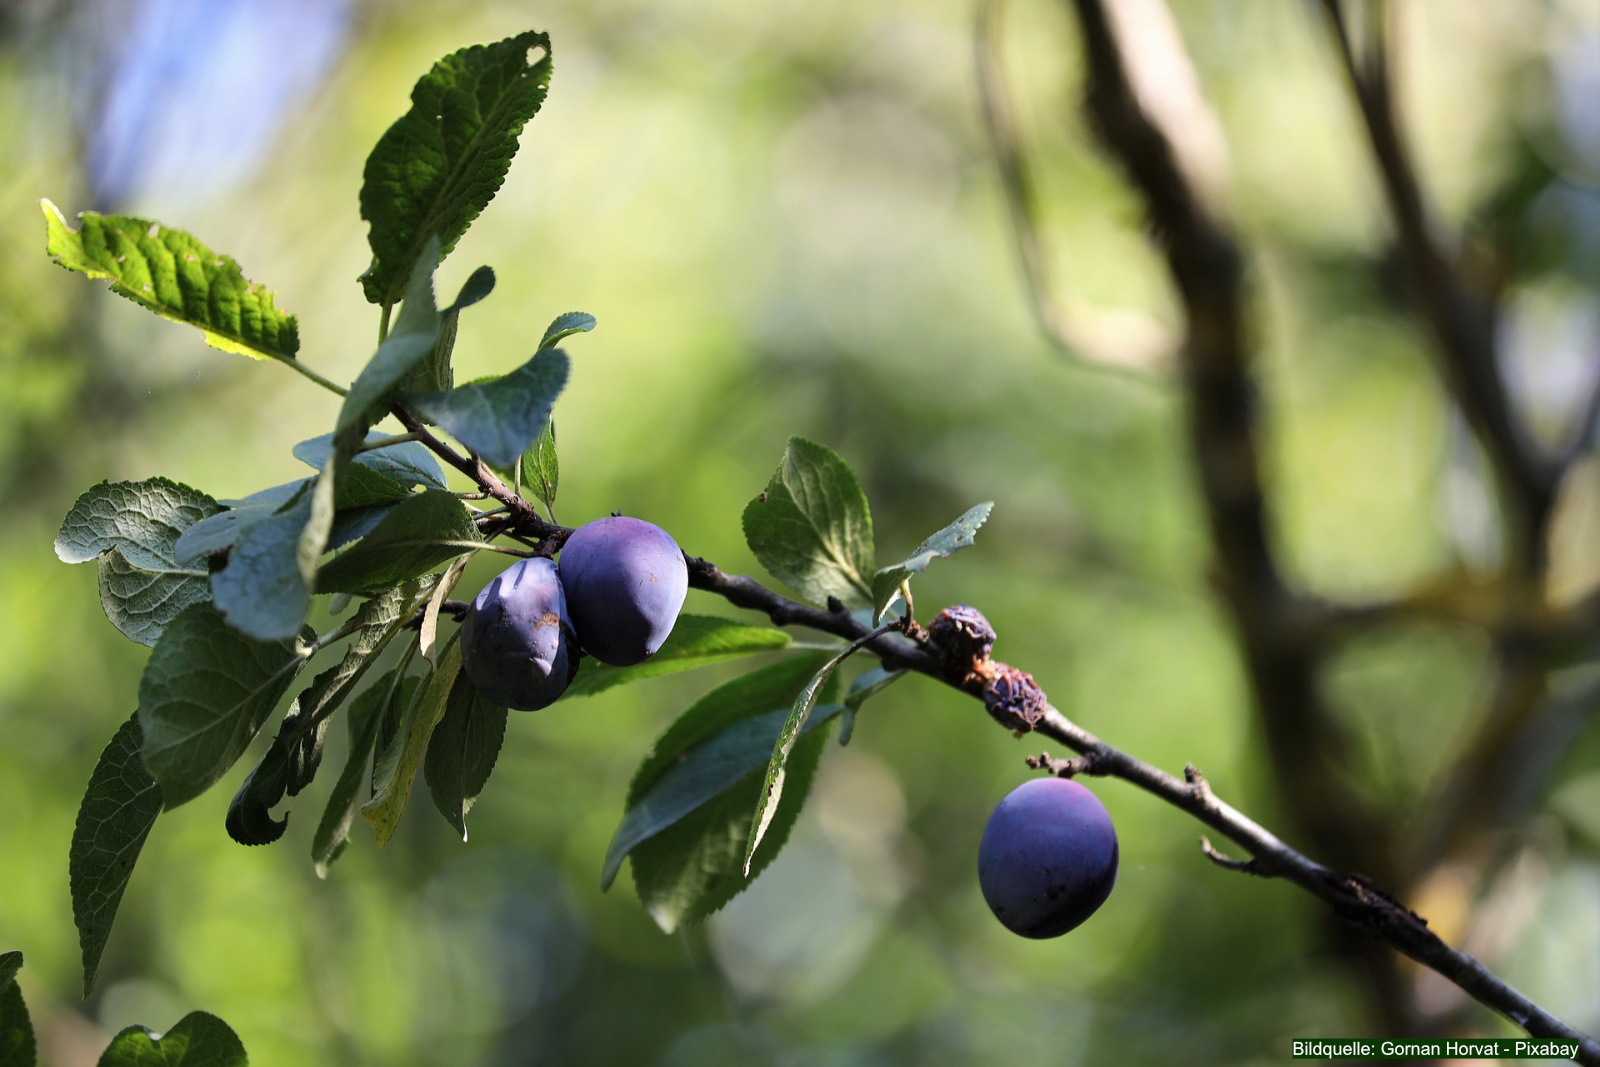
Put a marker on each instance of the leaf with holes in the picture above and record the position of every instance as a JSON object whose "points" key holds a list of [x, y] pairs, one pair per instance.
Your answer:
{"points": [[170, 273], [435, 170]]}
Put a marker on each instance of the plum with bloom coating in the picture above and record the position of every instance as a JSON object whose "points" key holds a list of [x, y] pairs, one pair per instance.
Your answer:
{"points": [[517, 643], [1048, 858], [625, 581]]}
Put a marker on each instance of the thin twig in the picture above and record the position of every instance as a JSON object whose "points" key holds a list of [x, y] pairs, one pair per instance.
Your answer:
{"points": [[1352, 897]]}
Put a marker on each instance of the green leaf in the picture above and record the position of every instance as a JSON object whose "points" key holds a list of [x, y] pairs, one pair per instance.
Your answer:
{"points": [[291, 761], [502, 418], [119, 807], [720, 739], [565, 325], [317, 534], [777, 766], [416, 329], [409, 463], [141, 519], [249, 820], [541, 468], [422, 534], [374, 625], [434, 373], [366, 712], [868, 684], [396, 769], [17, 1047], [691, 869], [10, 964], [172, 274], [948, 541], [141, 603], [441, 163], [198, 1040], [463, 751], [206, 691], [811, 527], [695, 641], [261, 592], [134, 528]]}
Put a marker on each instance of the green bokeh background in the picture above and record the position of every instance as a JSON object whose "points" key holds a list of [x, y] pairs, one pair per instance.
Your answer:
{"points": [[786, 220]]}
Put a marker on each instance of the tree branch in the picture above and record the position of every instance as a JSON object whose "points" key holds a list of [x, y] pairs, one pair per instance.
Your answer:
{"points": [[1462, 321], [1277, 629], [1353, 898]]}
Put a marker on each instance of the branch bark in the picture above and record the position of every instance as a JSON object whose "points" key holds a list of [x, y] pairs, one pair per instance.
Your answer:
{"points": [[1353, 897]]}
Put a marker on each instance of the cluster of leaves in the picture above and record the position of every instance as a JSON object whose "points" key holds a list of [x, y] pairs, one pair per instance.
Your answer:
{"points": [[197, 1040], [221, 590]]}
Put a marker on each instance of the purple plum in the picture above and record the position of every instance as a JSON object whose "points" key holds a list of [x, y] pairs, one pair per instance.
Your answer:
{"points": [[517, 643], [625, 581], [1048, 857]]}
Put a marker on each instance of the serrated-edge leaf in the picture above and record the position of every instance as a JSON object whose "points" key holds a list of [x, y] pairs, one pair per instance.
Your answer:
{"points": [[703, 772], [463, 751], [171, 273], [262, 591], [416, 329], [206, 691], [763, 691], [502, 418], [695, 641], [766, 688], [199, 1039], [948, 541], [119, 808], [10, 964], [868, 684], [143, 519], [541, 468], [811, 527], [406, 462], [436, 169], [690, 870], [423, 532], [17, 1045], [793, 726], [565, 325], [365, 713], [376, 622], [428, 635], [141, 603], [397, 767]]}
